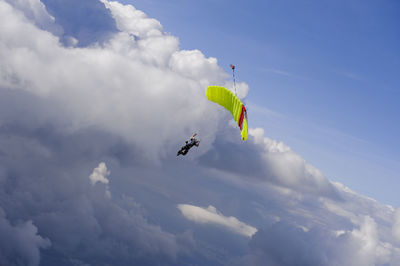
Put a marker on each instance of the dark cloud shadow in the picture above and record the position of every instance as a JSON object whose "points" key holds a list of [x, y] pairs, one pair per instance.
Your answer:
{"points": [[87, 21]]}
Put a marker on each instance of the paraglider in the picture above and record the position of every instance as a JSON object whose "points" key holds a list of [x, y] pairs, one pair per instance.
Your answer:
{"points": [[231, 102], [189, 144]]}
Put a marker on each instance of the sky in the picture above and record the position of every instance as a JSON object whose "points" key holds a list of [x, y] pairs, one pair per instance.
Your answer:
{"points": [[96, 97]]}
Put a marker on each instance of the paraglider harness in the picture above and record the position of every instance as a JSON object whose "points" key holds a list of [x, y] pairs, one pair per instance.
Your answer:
{"points": [[189, 144]]}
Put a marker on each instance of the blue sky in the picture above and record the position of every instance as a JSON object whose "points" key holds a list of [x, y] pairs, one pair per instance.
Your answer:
{"points": [[328, 71]]}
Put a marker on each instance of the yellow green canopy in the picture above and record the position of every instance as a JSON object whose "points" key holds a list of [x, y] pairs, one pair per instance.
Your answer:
{"points": [[228, 99]]}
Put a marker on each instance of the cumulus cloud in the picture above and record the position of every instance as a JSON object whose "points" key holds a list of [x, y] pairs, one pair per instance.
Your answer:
{"points": [[370, 251], [65, 108], [52, 190], [287, 167], [133, 21], [131, 87], [100, 174], [36, 11], [266, 160], [396, 225], [122, 93], [286, 244], [212, 216], [20, 244]]}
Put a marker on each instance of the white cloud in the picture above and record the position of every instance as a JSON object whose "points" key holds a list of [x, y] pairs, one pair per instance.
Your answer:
{"points": [[133, 21], [210, 215], [372, 244], [146, 96], [100, 174], [36, 11], [369, 249], [286, 168], [141, 88], [396, 225], [21, 241]]}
